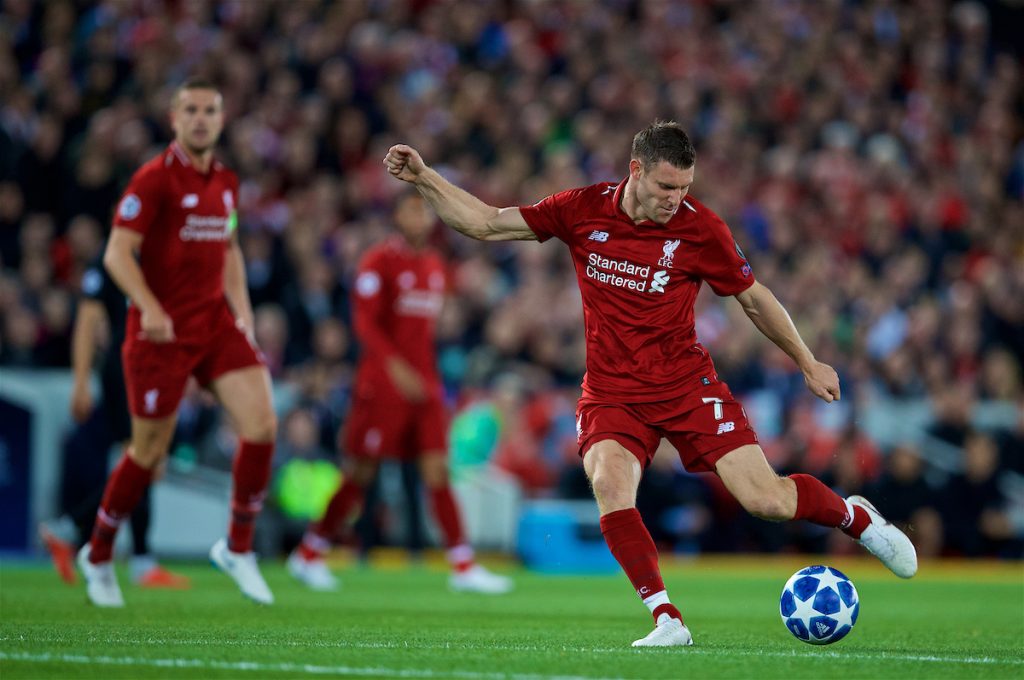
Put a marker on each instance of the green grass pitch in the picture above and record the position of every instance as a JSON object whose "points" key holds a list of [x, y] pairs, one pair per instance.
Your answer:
{"points": [[954, 620]]}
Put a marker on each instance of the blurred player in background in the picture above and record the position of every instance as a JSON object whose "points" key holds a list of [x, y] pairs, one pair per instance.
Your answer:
{"points": [[174, 252], [641, 249], [398, 407], [101, 312]]}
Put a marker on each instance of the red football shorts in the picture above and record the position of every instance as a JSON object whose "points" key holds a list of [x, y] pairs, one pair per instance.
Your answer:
{"points": [[155, 374], [381, 424], [703, 426]]}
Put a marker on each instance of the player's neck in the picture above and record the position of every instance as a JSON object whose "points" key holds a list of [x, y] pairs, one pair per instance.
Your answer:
{"points": [[201, 160], [630, 205], [414, 244]]}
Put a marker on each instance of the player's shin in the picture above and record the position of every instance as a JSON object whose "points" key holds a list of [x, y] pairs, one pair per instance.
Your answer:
{"points": [[634, 549], [817, 503], [251, 473], [127, 483], [446, 513]]}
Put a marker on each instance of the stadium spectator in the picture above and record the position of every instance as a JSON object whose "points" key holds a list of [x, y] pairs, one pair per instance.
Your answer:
{"points": [[910, 501], [980, 517], [304, 480]]}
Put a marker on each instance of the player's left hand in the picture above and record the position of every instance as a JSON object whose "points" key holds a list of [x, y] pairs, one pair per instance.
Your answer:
{"points": [[823, 381]]}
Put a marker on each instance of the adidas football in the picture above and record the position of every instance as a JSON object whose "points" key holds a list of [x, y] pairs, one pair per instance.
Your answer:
{"points": [[819, 605]]}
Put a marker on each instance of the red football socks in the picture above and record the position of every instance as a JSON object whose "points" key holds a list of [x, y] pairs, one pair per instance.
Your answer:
{"points": [[127, 484], [446, 514], [669, 609], [817, 503], [633, 547], [343, 504], [251, 475]]}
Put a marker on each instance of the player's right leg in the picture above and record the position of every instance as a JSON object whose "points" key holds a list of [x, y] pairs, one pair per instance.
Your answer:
{"points": [[306, 563], [614, 473], [127, 483]]}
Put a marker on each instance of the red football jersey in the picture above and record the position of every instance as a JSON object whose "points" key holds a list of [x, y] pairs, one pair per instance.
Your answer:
{"points": [[186, 218], [398, 295], [639, 283]]}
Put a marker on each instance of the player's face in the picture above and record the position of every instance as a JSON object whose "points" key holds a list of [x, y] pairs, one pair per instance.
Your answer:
{"points": [[660, 189], [414, 219], [197, 118]]}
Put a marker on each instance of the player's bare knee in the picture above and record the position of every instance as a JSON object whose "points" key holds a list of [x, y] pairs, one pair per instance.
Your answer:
{"points": [[259, 429], [434, 471], [611, 492], [146, 454]]}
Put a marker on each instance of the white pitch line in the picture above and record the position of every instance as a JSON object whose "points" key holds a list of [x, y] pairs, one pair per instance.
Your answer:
{"points": [[255, 666], [471, 647]]}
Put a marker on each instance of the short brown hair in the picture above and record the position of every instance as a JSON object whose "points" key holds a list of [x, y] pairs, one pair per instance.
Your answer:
{"points": [[194, 83], [664, 140]]}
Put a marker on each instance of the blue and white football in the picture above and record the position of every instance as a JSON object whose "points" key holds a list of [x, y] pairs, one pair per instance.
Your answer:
{"points": [[819, 605]]}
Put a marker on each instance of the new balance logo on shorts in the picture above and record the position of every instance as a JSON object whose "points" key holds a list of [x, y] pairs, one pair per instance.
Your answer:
{"points": [[726, 427], [599, 236], [150, 398]]}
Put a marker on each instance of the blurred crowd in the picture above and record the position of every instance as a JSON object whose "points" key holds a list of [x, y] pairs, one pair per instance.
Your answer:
{"points": [[869, 157]]}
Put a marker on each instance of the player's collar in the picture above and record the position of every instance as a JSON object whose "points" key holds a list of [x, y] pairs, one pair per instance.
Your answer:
{"points": [[619, 210], [180, 154], [617, 198]]}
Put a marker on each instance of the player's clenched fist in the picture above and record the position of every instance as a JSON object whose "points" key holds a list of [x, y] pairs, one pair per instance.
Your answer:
{"points": [[404, 162]]}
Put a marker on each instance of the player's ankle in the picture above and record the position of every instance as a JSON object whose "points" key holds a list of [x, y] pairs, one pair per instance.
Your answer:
{"points": [[667, 608], [861, 521]]}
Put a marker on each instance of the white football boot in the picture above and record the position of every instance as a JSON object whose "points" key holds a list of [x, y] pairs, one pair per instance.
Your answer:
{"points": [[476, 579], [314, 574], [242, 568], [669, 632], [885, 541], [100, 580]]}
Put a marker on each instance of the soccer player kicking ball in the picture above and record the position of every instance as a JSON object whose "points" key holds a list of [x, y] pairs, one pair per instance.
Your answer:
{"points": [[397, 408], [641, 249], [174, 252]]}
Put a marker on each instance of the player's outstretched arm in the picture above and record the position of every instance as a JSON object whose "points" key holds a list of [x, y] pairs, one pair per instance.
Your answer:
{"points": [[119, 260], [772, 319], [459, 209]]}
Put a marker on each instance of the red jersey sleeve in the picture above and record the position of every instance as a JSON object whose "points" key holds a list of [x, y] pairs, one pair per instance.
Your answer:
{"points": [[140, 203], [722, 264], [550, 217], [370, 300]]}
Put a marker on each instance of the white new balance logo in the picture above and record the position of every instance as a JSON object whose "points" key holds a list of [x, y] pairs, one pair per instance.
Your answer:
{"points": [[150, 398], [599, 236], [726, 427]]}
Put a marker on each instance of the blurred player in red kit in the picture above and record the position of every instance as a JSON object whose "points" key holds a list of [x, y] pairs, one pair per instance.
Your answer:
{"points": [[641, 249], [174, 252], [398, 407]]}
